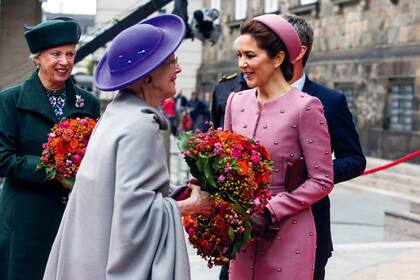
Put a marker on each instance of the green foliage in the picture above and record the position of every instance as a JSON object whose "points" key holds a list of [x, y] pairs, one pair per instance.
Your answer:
{"points": [[90, 66]]}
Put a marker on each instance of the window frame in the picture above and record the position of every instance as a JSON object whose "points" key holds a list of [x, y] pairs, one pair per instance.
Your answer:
{"points": [[400, 104]]}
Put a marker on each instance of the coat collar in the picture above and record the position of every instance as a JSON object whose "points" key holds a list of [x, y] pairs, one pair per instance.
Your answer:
{"points": [[33, 98], [131, 98], [309, 87]]}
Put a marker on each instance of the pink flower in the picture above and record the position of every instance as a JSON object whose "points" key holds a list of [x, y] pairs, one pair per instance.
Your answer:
{"points": [[63, 124], [236, 153], [256, 158], [218, 148], [221, 179], [83, 121], [191, 231], [227, 169], [77, 159], [257, 202]]}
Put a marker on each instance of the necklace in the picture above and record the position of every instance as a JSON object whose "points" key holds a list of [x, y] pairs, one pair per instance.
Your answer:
{"points": [[57, 99], [55, 92]]}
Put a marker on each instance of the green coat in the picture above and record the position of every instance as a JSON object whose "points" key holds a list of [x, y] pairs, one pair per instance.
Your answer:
{"points": [[30, 209]]}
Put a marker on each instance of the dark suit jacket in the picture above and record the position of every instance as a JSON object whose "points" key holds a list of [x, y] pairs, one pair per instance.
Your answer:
{"points": [[220, 95], [349, 160]]}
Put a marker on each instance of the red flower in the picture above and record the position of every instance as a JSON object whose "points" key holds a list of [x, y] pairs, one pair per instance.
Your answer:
{"points": [[236, 171], [65, 149]]}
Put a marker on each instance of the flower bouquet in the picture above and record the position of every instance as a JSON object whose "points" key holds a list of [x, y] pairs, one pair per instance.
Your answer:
{"points": [[65, 149], [236, 171]]}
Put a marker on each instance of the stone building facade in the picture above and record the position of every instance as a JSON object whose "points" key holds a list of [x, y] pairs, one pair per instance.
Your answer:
{"points": [[15, 64], [368, 49]]}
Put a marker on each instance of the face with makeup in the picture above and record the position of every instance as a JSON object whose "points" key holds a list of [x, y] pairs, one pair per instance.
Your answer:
{"points": [[254, 62], [55, 65]]}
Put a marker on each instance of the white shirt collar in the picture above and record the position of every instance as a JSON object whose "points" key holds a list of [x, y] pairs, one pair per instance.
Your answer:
{"points": [[300, 82]]}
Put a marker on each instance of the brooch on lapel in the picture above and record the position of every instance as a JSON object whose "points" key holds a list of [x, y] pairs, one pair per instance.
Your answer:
{"points": [[80, 102]]}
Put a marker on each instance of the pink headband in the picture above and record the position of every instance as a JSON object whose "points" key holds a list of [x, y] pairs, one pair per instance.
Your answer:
{"points": [[285, 31]]}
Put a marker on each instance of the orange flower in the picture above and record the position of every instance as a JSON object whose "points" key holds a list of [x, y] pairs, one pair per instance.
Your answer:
{"points": [[244, 168], [74, 145], [59, 157]]}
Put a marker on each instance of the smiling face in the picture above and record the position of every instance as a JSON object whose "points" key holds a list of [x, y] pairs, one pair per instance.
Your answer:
{"points": [[55, 65], [164, 77], [254, 62]]}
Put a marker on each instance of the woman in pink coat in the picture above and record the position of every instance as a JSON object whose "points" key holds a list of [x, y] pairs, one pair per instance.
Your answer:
{"points": [[290, 124]]}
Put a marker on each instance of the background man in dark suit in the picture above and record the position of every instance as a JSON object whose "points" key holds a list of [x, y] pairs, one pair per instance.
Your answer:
{"points": [[229, 83], [349, 160]]}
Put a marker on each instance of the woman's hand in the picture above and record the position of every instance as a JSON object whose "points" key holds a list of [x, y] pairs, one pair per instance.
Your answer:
{"points": [[262, 227], [198, 202]]}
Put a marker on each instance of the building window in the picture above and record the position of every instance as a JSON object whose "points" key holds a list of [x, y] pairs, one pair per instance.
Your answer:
{"points": [[305, 7], [307, 2], [349, 91], [400, 104], [240, 9], [215, 4], [271, 6]]}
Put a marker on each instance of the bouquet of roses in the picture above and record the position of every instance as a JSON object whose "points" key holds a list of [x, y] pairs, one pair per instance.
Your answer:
{"points": [[65, 149], [236, 171]]}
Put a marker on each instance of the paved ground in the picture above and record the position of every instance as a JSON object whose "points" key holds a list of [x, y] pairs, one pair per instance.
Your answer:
{"points": [[364, 247]]}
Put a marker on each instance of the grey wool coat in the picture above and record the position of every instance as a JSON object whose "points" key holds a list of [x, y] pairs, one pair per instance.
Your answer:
{"points": [[119, 222]]}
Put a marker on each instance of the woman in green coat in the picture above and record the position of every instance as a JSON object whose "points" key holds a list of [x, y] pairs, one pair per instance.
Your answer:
{"points": [[31, 208]]}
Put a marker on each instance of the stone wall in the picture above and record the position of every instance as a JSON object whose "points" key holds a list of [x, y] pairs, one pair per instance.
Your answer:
{"points": [[15, 65], [366, 44]]}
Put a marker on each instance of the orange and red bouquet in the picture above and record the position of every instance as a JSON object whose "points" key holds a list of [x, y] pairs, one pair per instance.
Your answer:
{"points": [[65, 149], [235, 170]]}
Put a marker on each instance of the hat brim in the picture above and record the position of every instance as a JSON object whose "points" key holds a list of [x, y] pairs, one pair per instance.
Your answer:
{"points": [[173, 29]]}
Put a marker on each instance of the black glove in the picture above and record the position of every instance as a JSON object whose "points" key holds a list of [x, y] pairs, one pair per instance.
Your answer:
{"points": [[262, 227]]}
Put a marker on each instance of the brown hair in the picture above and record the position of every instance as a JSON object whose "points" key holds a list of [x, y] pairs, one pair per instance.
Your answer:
{"points": [[270, 42]]}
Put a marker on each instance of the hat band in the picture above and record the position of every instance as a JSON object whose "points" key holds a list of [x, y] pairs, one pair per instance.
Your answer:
{"points": [[285, 31]]}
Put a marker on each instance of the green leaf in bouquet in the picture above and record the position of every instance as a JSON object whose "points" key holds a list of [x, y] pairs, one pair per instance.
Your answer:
{"points": [[232, 199], [236, 246], [193, 167], [208, 171], [231, 233], [39, 167], [67, 182], [248, 231], [234, 164], [183, 141], [218, 164], [50, 173]]}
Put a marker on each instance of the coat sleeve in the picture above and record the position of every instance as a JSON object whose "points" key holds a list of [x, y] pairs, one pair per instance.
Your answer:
{"points": [[18, 167], [349, 160], [314, 141], [147, 239]]}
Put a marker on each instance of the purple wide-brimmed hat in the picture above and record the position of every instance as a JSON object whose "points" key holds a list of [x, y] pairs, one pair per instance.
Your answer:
{"points": [[138, 50], [285, 31]]}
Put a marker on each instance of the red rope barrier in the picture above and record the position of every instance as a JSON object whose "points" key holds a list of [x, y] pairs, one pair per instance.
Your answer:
{"points": [[393, 163]]}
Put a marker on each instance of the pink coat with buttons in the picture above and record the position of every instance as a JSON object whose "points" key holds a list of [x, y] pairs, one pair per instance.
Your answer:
{"points": [[289, 126]]}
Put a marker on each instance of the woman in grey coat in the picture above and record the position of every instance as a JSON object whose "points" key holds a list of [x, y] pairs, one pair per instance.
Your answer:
{"points": [[119, 222]]}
